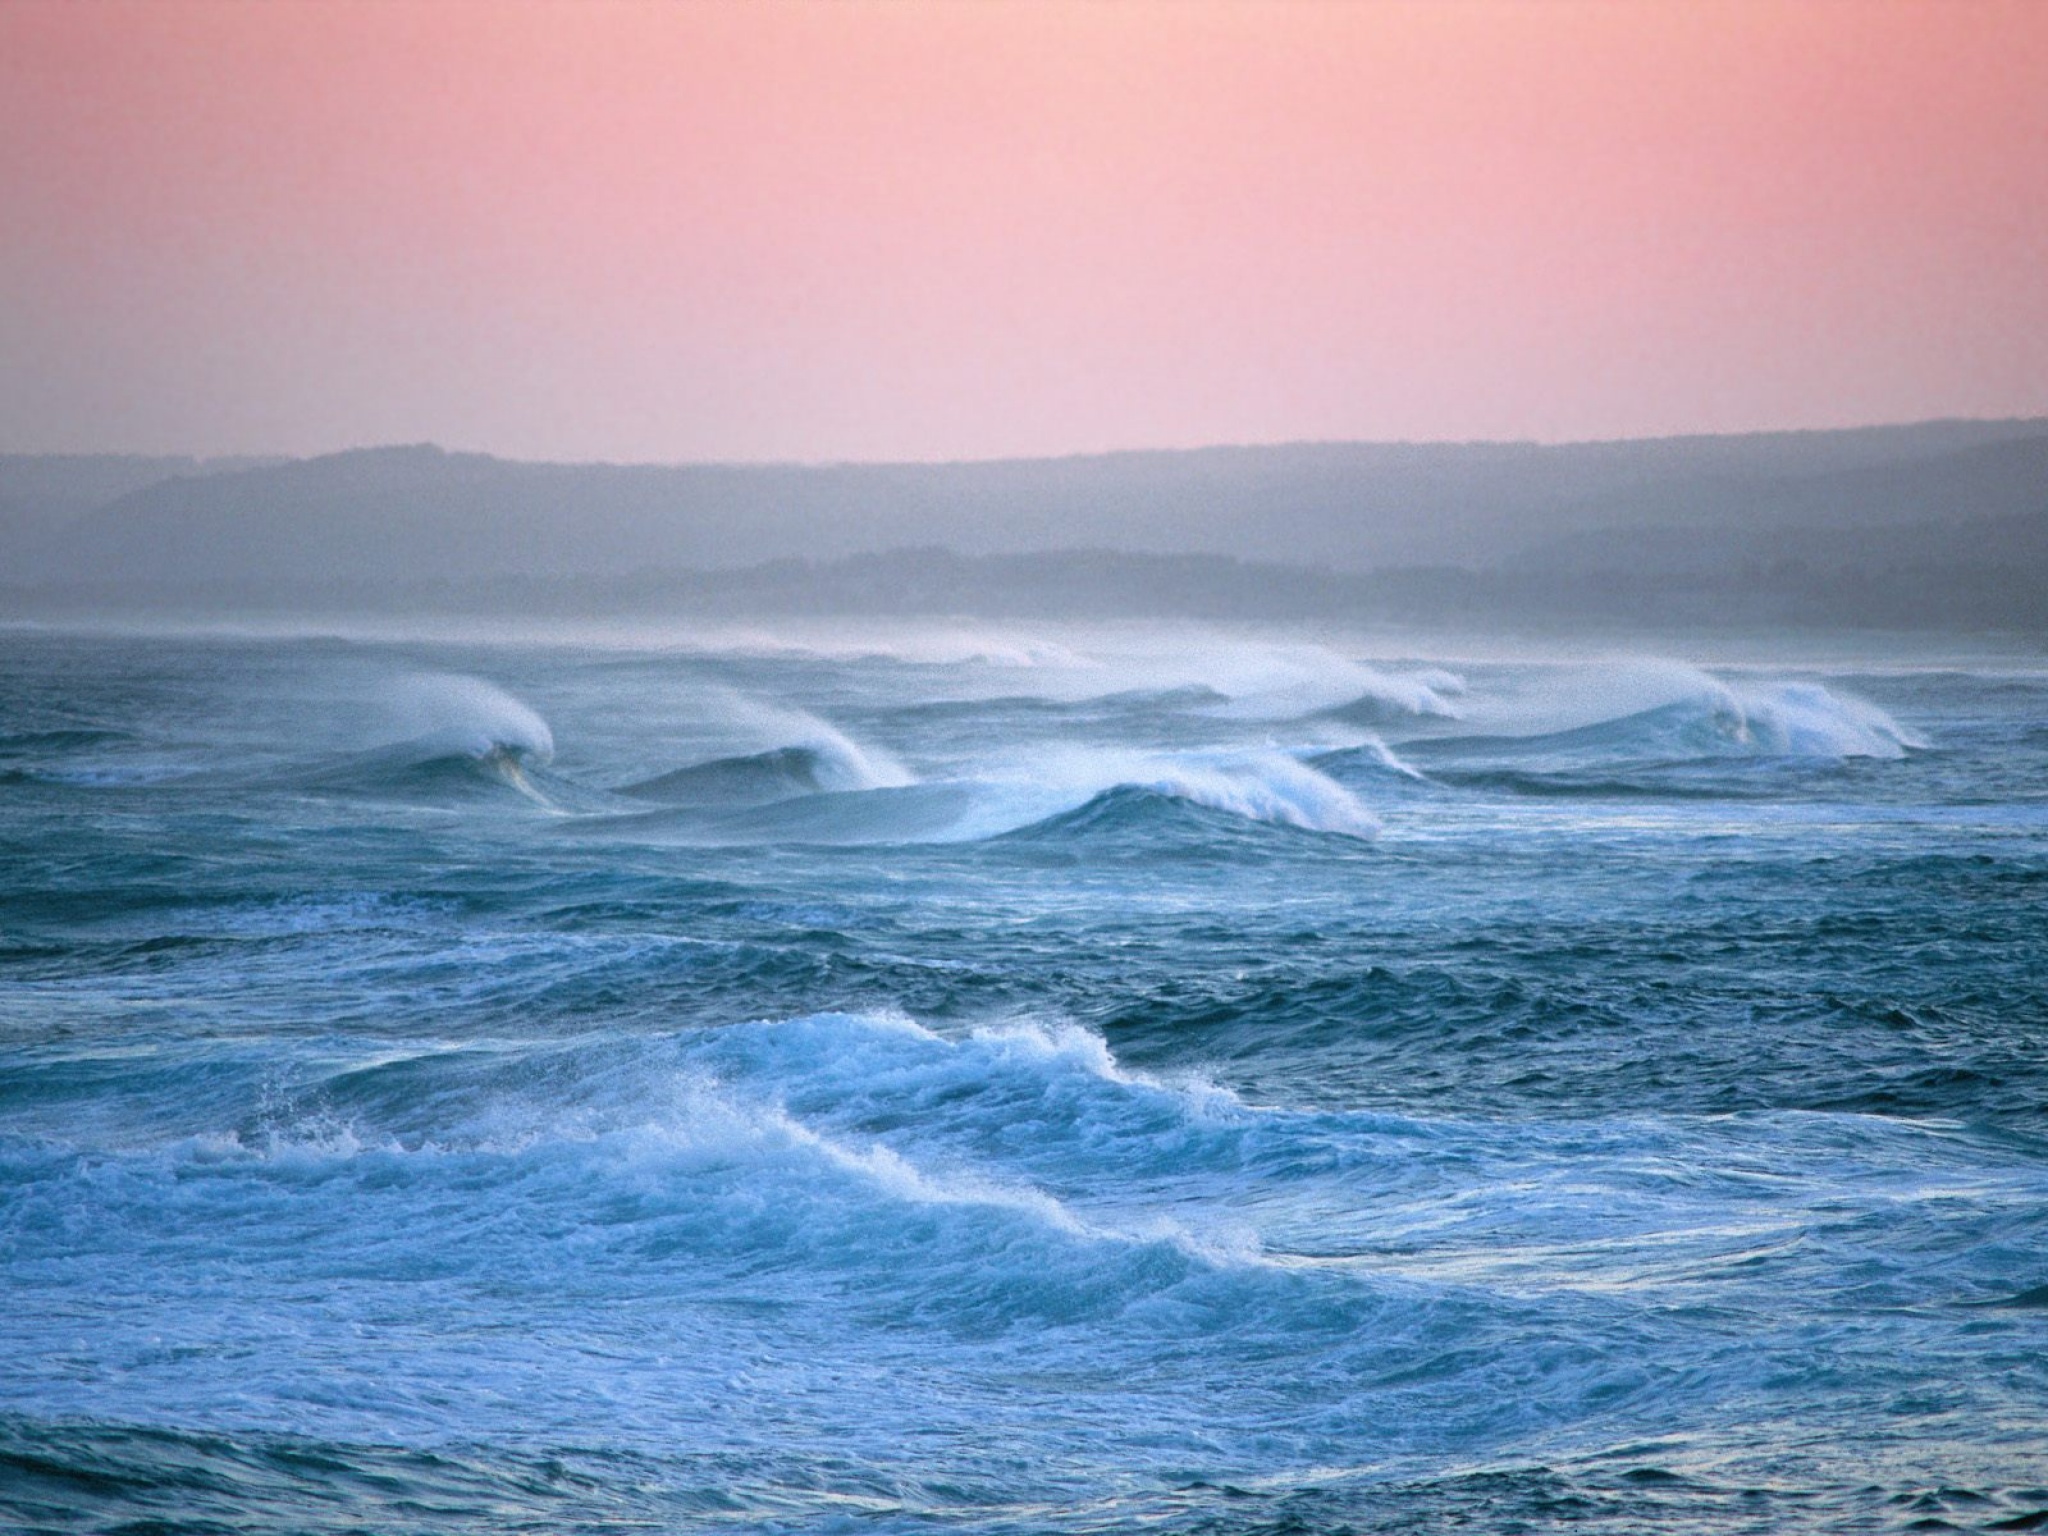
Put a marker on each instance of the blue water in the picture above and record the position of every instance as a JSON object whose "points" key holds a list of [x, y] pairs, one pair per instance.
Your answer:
{"points": [[1100, 1081]]}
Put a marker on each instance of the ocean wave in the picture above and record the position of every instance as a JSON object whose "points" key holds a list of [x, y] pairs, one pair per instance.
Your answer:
{"points": [[443, 767], [1304, 682], [1059, 791], [1400, 701], [840, 762], [1691, 716], [61, 740], [447, 738], [761, 778], [800, 1215], [1079, 790], [1366, 757], [451, 715]]}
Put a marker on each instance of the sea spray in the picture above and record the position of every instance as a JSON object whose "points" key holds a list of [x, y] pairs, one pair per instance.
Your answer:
{"points": [[1667, 711], [765, 725], [454, 713]]}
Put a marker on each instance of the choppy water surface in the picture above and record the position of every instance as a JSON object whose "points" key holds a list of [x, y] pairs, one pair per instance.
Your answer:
{"points": [[1138, 1081]]}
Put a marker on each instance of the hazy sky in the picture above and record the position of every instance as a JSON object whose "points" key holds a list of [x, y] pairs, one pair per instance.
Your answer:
{"points": [[921, 230]]}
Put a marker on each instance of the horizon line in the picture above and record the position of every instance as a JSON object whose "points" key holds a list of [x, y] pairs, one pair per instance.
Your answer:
{"points": [[272, 458]]}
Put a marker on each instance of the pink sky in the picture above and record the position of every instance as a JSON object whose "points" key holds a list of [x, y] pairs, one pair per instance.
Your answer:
{"points": [[921, 230]]}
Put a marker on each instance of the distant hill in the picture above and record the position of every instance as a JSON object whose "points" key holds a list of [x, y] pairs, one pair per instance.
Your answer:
{"points": [[1948, 517], [43, 495]]}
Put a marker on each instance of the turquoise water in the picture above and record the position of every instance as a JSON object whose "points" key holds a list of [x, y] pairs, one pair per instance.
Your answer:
{"points": [[1120, 1080]]}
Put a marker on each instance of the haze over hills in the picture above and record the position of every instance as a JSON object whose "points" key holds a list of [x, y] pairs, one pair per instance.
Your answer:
{"points": [[1938, 523], [42, 495]]}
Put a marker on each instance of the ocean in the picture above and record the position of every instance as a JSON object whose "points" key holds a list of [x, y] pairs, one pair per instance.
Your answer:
{"points": [[937, 1078]]}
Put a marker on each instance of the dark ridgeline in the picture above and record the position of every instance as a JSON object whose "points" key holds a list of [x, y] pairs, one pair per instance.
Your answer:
{"points": [[1938, 525]]}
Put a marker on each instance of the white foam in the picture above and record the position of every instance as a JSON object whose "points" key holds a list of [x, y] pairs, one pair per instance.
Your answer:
{"points": [[1266, 786], [1799, 719]]}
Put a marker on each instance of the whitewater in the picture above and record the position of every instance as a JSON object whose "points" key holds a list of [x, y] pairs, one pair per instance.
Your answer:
{"points": [[1095, 1080]]}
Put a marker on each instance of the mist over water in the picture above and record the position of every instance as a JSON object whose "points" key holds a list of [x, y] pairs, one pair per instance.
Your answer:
{"points": [[943, 1078]]}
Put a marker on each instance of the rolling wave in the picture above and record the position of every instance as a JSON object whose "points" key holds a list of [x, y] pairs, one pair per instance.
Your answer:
{"points": [[1709, 721], [891, 1198], [444, 767], [1065, 792], [403, 1127], [823, 787], [448, 714], [1263, 785], [760, 778]]}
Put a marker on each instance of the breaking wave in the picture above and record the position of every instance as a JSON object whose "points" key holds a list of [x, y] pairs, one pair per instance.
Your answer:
{"points": [[457, 737]]}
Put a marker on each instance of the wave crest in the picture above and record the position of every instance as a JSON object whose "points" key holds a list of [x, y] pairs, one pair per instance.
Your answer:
{"points": [[1260, 786], [449, 715], [1681, 714]]}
